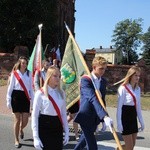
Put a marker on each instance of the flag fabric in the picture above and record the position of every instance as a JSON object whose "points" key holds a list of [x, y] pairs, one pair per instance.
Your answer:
{"points": [[58, 57], [35, 62], [72, 69]]}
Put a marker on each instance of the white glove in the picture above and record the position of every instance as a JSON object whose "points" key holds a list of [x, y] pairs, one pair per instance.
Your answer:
{"points": [[37, 143], [142, 125], [109, 123], [65, 139], [119, 127], [8, 105]]}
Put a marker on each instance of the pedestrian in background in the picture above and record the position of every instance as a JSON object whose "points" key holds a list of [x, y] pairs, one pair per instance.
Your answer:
{"points": [[20, 96], [56, 63], [129, 107], [40, 76], [91, 111], [49, 115]]}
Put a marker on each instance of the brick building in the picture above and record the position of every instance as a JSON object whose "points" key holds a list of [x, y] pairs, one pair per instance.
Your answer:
{"points": [[115, 73], [112, 55]]}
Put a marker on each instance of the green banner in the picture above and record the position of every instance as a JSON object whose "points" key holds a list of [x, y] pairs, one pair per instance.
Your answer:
{"points": [[72, 69]]}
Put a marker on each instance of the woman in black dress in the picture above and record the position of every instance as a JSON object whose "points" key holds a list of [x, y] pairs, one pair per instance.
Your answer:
{"points": [[49, 118], [129, 107], [19, 96]]}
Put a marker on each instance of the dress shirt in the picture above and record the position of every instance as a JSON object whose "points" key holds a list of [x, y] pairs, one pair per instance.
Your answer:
{"points": [[15, 85], [125, 98], [42, 105], [96, 80]]}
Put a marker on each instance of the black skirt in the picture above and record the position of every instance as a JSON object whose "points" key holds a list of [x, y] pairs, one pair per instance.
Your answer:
{"points": [[19, 102], [129, 120], [50, 132], [74, 109]]}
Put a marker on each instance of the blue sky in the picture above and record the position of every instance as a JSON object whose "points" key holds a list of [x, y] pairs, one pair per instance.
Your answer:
{"points": [[96, 19]]}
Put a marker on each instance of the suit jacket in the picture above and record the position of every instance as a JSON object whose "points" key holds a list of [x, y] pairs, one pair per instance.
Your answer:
{"points": [[91, 111], [103, 89]]}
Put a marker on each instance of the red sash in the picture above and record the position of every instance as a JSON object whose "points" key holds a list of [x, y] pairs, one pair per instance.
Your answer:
{"points": [[22, 84], [55, 106], [134, 99]]}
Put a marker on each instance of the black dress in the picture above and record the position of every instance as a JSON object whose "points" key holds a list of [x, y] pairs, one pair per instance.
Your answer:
{"points": [[20, 102], [129, 120], [50, 132], [75, 108]]}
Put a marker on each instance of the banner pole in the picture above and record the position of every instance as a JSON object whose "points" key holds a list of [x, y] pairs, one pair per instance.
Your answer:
{"points": [[40, 28], [96, 91]]}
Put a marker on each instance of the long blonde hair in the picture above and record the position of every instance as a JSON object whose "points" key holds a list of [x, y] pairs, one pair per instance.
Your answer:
{"points": [[50, 71], [129, 75]]}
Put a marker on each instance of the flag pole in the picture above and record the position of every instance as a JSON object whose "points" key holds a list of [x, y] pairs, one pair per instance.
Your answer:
{"points": [[40, 28], [46, 48], [96, 91]]}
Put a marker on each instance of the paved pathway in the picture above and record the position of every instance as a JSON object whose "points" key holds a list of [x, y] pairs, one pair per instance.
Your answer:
{"points": [[105, 140], [112, 146], [3, 109]]}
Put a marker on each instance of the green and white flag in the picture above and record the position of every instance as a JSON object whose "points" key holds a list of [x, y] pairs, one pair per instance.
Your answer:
{"points": [[72, 69]]}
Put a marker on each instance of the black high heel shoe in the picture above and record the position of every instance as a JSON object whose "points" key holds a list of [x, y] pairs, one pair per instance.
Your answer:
{"points": [[21, 135]]}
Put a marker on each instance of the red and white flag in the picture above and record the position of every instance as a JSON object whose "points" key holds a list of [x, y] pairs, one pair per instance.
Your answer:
{"points": [[35, 62]]}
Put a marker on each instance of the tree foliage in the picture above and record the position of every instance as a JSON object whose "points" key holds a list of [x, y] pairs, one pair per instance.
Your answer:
{"points": [[126, 37], [19, 21], [146, 46]]}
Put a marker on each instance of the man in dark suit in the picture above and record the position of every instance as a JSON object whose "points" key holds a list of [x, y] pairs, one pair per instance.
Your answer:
{"points": [[91, 112]]}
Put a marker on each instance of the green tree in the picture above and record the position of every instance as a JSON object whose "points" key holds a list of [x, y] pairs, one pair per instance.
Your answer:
{"points": [[19, 21], [146, 46], [126, 37]]}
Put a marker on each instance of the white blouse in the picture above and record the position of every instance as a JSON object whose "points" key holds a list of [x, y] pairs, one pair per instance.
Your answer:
{"points": [[42, 105], [125, 98], [15, 85]]}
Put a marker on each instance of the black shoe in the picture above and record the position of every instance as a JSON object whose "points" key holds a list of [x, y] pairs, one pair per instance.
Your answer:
{"points": [[21, 135]]}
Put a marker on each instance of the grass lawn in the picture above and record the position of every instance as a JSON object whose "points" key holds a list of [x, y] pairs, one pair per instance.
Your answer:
{"points": [[111, 101], [3, 82]]}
